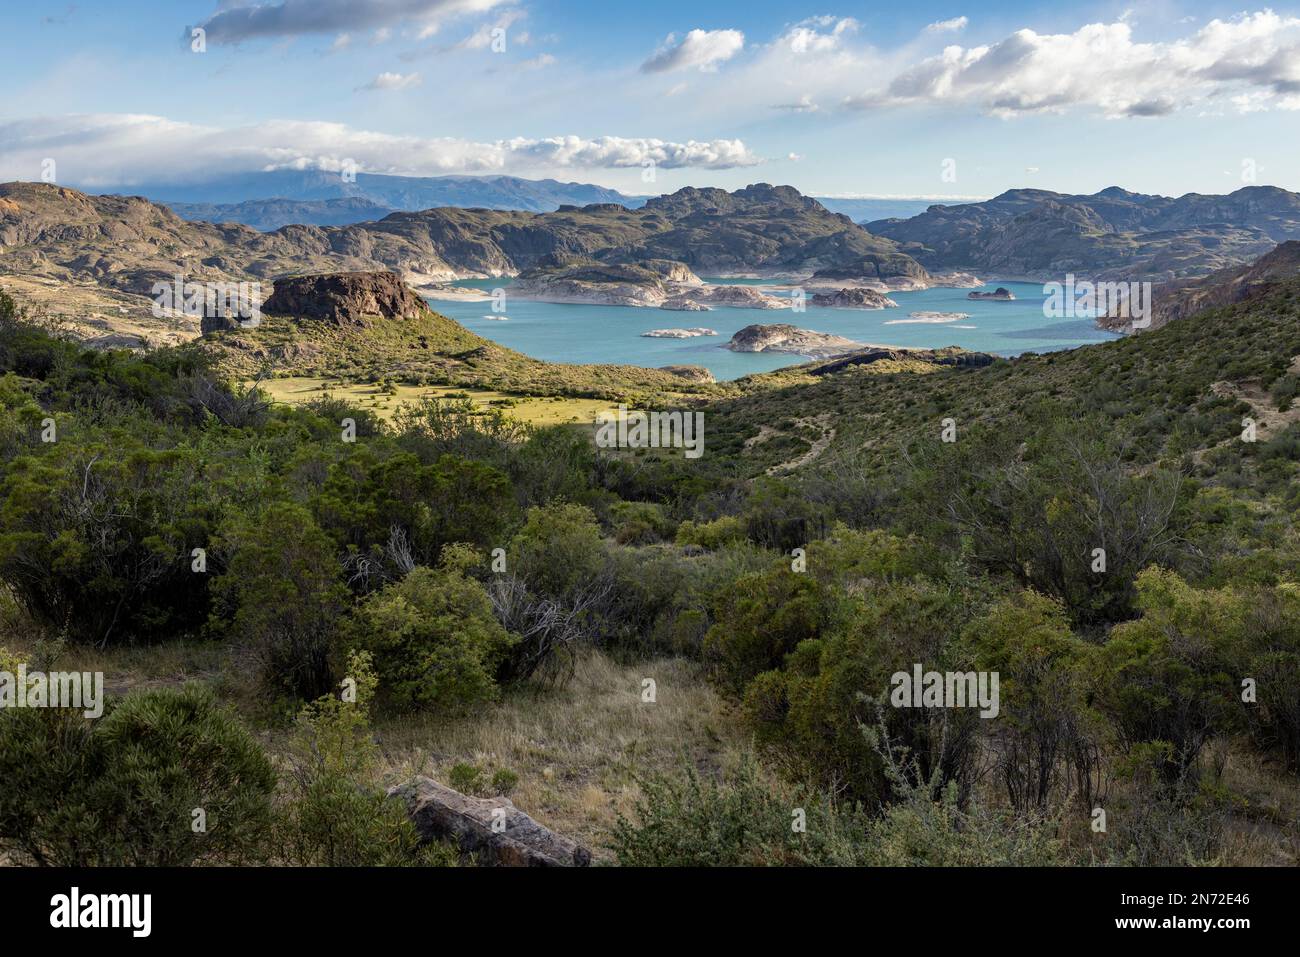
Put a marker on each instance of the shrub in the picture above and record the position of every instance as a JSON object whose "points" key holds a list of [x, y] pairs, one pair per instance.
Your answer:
{"points": [[1162, 678], [504, 781], [334, 816], [559, 551], [813, 710], [283, 595], [434, 638], [639, 523], [761, 618], [684, 821], [466, 778], [1045, 728], [727, 530], [123, 789]]}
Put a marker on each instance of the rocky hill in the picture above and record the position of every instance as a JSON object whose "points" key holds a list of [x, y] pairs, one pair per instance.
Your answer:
{"points": [[128, 243], [344, 298], [1224, 287], [1113, 234], [271, 214]]}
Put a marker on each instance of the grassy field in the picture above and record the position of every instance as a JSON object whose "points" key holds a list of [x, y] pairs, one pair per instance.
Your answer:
{"points": [[295, 390]]}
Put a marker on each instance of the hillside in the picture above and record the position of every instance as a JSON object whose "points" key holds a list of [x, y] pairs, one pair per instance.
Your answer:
{"points": [[1181, 392], [115, 244], [368, 327], [1177, 300], [1111, 234]]}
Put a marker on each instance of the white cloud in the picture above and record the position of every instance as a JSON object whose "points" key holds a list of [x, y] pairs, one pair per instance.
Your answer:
{"points": [[1103, 67], [704, 49], [117, 150], [236, 21], [392, 81], [805, 104], [955, 25], [811, 35]]}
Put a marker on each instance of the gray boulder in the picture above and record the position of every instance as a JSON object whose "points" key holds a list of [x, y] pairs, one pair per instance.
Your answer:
{"points": [[491, 829]]}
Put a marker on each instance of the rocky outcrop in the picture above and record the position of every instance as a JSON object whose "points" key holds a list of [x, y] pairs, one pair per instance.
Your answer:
{"points": [[492, 830], [783, 337], [344, 299], [678, 333], [690, 373], [853, 299], [1177, 300], [1001, 294], [951, 356], [653, 283]]}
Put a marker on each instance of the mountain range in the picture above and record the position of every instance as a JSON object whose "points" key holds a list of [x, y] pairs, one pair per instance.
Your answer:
{"points": [[128, 243], [274, 198], [1114, 234]]}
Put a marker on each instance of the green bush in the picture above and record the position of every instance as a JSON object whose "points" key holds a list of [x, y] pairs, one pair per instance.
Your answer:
{"points": [[333, 815], [812, 711], [559, 552], [124, 789], [435, 641], [639, 523], [1164, 678], [283, 596], [466, 778], [685, 821], [727, 530], [761, 618]]}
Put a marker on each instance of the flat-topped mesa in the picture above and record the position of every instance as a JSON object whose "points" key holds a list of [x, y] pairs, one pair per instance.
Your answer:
{"points": [[344, 298], [783, 337]]}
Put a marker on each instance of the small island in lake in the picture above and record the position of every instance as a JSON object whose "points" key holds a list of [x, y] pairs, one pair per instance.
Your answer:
{"points": [[678, 333]]}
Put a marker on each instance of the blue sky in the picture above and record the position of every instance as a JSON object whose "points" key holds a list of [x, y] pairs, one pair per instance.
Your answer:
{"points": [[933, 99]]}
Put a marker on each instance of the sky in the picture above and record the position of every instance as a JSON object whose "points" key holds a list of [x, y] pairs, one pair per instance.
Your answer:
{"points": [[937, 100]]}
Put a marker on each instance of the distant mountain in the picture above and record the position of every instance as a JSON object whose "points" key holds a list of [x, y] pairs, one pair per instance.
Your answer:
{"points": [[128, 243], [276, 198], [269, 214], [866, 210], [1111, 234]]}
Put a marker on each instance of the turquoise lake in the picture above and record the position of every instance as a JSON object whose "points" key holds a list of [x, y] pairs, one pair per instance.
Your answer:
{"points": [[565, 332]]}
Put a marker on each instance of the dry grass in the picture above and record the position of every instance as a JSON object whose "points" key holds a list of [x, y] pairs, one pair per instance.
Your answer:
{"points": [[577, 747]]}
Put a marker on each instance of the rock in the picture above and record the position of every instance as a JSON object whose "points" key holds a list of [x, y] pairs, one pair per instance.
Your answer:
{"points": [[693, 373], [1001, 293], [783, 337], [686, 305], [440, 812], [344, 298], [749, 297], [853, 299], [950, 356], [678, 333]]}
